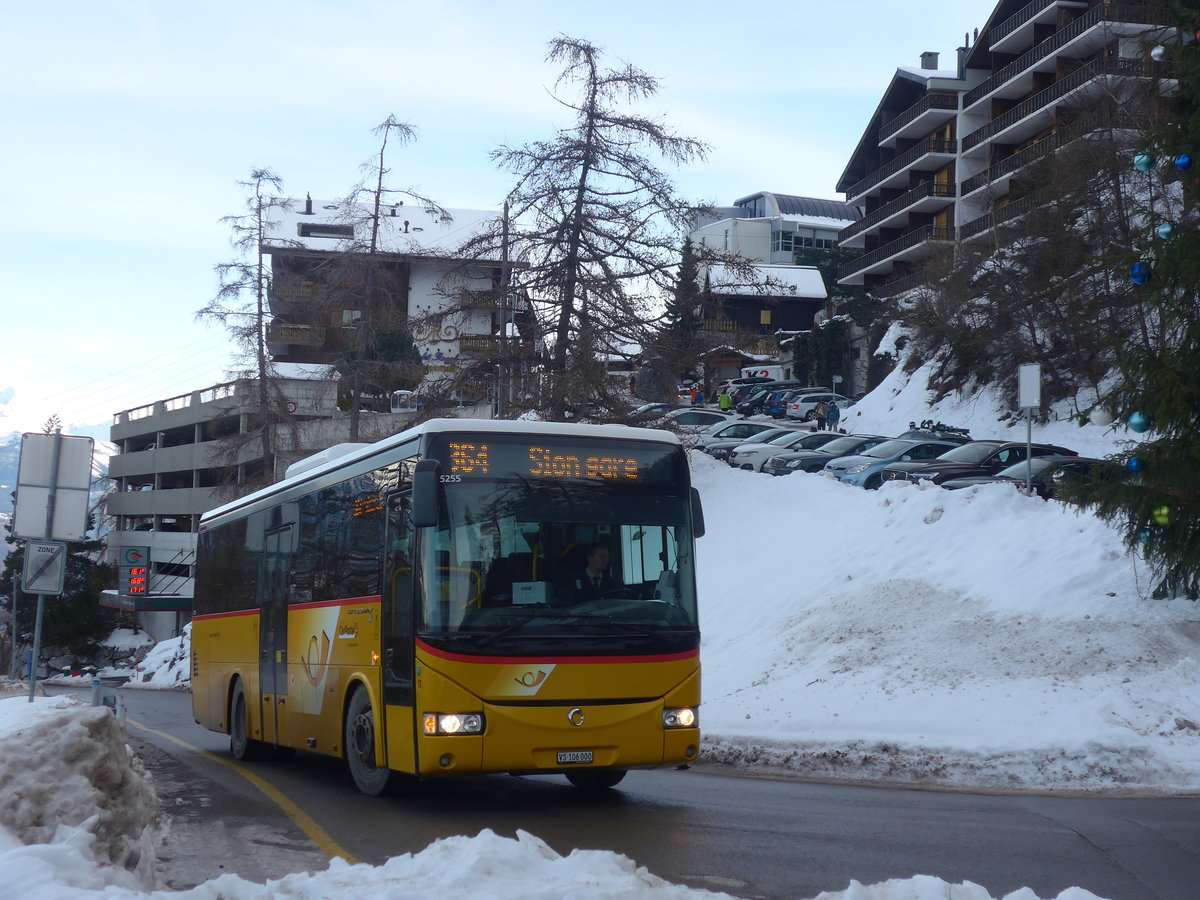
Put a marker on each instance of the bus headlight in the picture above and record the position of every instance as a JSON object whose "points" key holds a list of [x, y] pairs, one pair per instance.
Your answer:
{"points": [[683, 717], [452, 723]]}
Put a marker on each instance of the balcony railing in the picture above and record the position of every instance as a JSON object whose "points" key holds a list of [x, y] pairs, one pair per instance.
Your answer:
{"points": [[930, 101], [917, 194], [904, 242], [293, 288], [1018, 160], [1013, 22], [999, 216], [1057, 91], [723, 326], [1142, 13], [899, 286], [901, 162], [492, 347], [301, 335]]}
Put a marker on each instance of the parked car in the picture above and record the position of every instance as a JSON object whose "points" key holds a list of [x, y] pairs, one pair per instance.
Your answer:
{"points": [[721, 449], [1045, 474], [692, 421], [965, 460], [737, 430], [864, 469], [649, 414], [753, 404], [752, 456], [775, 403], [814, 460], [803, 407], [921, 433]]}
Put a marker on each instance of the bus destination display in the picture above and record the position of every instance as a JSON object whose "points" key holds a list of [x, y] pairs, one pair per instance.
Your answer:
{"points": [[538, 460]]}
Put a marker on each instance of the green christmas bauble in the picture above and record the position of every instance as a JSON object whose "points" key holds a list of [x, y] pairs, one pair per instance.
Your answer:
{"points": [[1162, 515], [1139, 422], [1144, 162]]}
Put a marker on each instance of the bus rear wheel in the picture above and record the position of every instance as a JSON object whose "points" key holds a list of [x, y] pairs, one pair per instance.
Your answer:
{"points": [[371, 779], [595, 779], [241, 745]]}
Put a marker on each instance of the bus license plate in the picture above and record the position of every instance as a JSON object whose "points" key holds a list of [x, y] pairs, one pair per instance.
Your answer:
{"points": [[575, 756]]}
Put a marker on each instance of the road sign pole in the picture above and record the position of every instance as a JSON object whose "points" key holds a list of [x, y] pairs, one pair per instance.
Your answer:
{"points": [[37, 645], [16, 589]]}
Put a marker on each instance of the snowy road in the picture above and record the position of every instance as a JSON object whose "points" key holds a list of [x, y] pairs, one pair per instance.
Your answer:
{"points": [[749, 837]]}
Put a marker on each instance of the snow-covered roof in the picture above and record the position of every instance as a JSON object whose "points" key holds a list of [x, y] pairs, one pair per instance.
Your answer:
{"points": [[917, 73], [802, 282], [403, 228]]}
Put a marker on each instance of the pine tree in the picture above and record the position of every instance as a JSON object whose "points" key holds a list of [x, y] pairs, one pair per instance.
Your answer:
{"points": [[1156, 500], [600, 218]]}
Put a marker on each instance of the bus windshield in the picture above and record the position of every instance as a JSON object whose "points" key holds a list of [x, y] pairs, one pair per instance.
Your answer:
{"points": [[567, 562]]}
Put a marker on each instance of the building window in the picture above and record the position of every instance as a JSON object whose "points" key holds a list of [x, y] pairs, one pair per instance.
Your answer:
{"points": [[324, 230], [764, 317], [782, 240], [351, 316]]}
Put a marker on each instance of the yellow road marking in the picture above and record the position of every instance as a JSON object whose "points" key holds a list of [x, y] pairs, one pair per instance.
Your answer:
{"points": [[303, 820]]}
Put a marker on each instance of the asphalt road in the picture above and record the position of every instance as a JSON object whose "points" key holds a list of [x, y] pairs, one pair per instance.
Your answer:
{"points": [[751, 837]]}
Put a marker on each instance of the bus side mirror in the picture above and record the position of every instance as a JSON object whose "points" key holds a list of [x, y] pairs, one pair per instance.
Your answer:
{"points": [[697, 515], [425, 492]]}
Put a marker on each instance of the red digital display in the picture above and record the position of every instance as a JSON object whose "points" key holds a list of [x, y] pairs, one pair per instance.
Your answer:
{"points": [[137, 580]]}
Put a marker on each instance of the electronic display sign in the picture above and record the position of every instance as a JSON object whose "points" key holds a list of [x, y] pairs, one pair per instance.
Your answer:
{"points": [[470, 457]]}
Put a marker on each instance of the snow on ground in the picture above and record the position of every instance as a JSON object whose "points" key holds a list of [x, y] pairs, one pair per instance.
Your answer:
{"points": [[975, 639]]}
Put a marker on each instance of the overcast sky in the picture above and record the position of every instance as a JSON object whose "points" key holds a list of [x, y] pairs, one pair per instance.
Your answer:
{"points": [[128, 125]]}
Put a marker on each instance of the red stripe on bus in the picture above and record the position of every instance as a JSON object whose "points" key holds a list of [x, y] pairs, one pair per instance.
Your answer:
{"points": [[580, 660]]}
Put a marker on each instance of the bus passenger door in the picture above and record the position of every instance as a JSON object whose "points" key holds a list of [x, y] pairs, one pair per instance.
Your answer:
{"points": [[272, 634], [397, 633]]}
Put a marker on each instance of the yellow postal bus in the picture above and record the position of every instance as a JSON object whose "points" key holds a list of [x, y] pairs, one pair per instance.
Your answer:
{"points": [[428, 606]]}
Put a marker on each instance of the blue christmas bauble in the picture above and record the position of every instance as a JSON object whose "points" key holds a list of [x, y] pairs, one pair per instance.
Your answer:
{"points": [[1139, 422], [1165, 230], [1135, 464], [1144, 535], [1139, 272], [1183, 162], [1144, 162]]}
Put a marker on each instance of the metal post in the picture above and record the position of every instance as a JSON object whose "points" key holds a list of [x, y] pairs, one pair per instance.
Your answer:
{"points": [[502, 373], [55, 459], [15, 668], [37, 645], [1029, 452]]}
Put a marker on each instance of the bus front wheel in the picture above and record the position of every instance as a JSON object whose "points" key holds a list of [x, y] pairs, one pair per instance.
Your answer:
{"points": [[371, 779], [241, 745], [595, 779]]}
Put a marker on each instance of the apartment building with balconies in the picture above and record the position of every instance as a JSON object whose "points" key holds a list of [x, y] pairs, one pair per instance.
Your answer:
{"points": [[180, 457], [941, 158], [903, 172], [457, 311]]}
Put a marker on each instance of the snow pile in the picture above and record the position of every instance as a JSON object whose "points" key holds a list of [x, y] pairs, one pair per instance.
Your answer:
{"points": [[167, 665], [914, 635], [68, 777]]}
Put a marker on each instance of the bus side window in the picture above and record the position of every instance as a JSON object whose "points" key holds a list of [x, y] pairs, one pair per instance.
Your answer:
{"points": [[398, 604]]}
